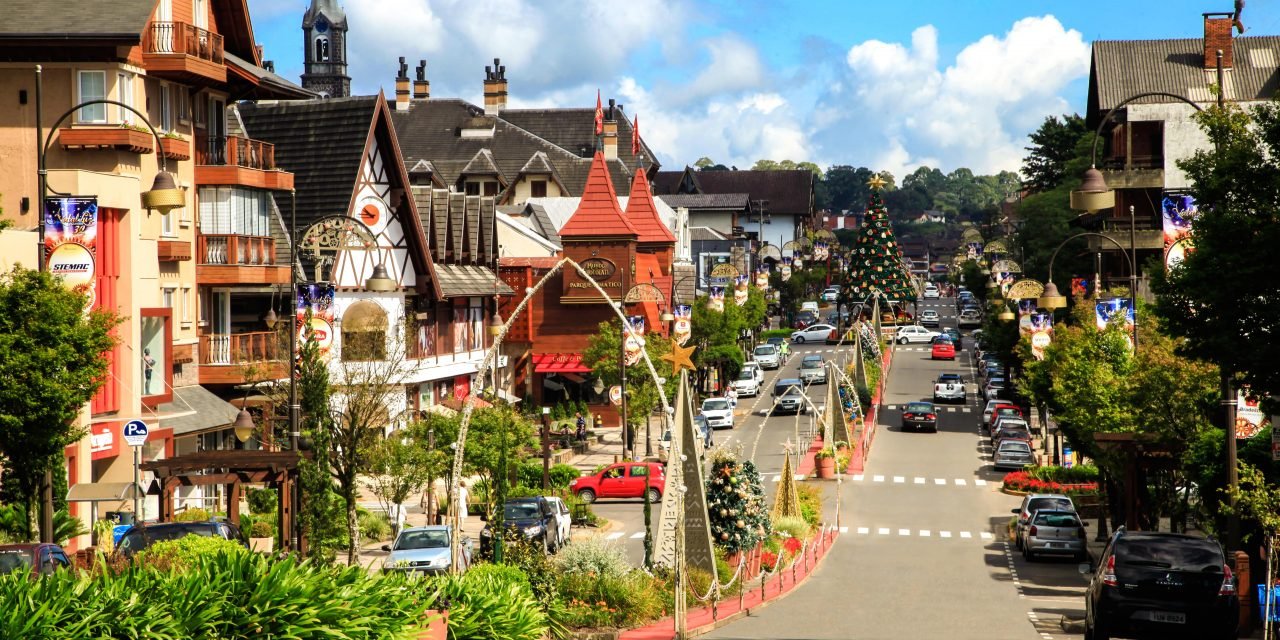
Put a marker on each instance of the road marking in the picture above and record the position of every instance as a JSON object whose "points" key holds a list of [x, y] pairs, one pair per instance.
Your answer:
{"points": [[986, 535], [863, 531], [919, 480], [904, 532], [939, 480], [960, 482], [878, 478], [844, 529], [857, 477], [944, 534], [615, 535], [891, 407], [980, 482], [884, 531], [967, 410], [965, 534], [795, 476], [924, 533], [637, 535], [899, 479]]}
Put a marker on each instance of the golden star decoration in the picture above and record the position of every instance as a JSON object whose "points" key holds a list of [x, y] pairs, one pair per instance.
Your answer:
{"points": [[876, 182], [680, 357]]}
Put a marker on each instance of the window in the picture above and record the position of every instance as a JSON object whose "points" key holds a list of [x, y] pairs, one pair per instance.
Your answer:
{"points": [[491, 188], [234, 211], [92, 86], [460, 337], [154, 363], [183, 103], [166, 223], [538, 189], [322, 49], [166, 108], [422, 332], [472, 189], [200, 11], [124, 89], [184, 306], [167, 295], [476, 317], [364, 332]]}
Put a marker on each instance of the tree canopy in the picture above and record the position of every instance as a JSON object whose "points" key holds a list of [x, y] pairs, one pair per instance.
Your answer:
{"points": [[1053, 145]]}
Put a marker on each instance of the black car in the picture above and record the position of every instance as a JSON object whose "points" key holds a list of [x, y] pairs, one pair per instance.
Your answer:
{"points": [[137, 538], [920, 416], [788, 396], [533, 517], [1164, 585]]}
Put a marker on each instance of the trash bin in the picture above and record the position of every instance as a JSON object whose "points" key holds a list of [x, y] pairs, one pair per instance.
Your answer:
{"points": [[1275, 602]]}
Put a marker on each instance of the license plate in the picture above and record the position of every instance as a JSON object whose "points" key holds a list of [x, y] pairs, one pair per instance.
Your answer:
{"points": [[1169, 617]]}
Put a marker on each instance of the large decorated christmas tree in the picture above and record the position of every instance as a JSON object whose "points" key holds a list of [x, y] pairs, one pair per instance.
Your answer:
{"points": [[877, 258], [736, 504]]}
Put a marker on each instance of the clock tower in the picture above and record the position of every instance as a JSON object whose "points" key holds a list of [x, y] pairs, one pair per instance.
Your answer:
{"points": [[324, 46]]}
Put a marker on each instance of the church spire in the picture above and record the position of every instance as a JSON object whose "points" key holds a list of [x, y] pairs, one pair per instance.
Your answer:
{"points": [[324, 42]]}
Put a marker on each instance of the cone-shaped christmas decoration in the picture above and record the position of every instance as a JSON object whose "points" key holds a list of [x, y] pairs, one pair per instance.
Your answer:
{"points": [[684, 469], [835, 428], [878, 261], [787, 500]]}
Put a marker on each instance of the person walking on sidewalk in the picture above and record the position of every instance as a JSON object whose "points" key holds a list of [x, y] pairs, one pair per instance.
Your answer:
{"points": [[732, 395], [463, 496], [581, 433]]}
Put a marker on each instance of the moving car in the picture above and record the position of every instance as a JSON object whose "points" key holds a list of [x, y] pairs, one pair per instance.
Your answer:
{"points": [[621, 480], [809, 306], [830, 294], [750, 377], [949, 387], [813, 370], [914, 333], [1162, 585], [812, 333], [954, 334], [788, 396], [1033, 502], [718, 412], [700, 427], [930, 291], [929, 318], [942, 350], [766, 355], [532, 516], [138, 538], [920, 416], [1013, 454], [32, 558], [1056, 533], [423, 550]]}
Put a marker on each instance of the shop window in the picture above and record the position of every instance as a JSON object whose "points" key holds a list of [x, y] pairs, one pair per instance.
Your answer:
{"points": [[475, 317], [364, 332], [155, 362]]}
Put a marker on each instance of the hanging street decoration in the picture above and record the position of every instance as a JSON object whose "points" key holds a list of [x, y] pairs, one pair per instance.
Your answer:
{"points": [[740, 292], [786, 269], [682, 328], [633, 341], [680, 357], [1041, 332], [1177, 211], [1024, 289], [1119, 310], [820, 251], [762, 277], [1249, 417], [876, 257], [715, 300]]}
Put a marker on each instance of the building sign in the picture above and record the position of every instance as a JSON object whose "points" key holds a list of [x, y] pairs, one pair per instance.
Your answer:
{"points": [[103, 441], [318, 299], [71, 242], [644, 292], [682, 328], [599, 269], [724, 271]]}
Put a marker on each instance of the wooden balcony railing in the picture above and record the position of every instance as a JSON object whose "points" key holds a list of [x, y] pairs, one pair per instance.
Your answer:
{"points": [[236, 151], [183, 38], [231, 249], [240, 348]]}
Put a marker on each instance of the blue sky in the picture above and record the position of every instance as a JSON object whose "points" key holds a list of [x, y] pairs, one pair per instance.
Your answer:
{"points": [[889, 85]]}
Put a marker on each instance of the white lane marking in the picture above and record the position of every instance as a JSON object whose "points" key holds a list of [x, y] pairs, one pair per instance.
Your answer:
{"points": [[857, 477], [615, 535], [919, 480], [884, 531], [637, 535], [960, 482], [794, 476], [777, 478], [965, 534], [904, 532], [967, 410], [944, 534], [899, 479], [878, 478], [924, 533], [891, 407], [844, 529], [985, 535], [863, 531], [939, 480], [951, 409], [980, 482]]}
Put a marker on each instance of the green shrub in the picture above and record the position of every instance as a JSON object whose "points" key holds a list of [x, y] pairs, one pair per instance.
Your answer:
{"points": [[810, 503], [1075, 475], [617, 601], [593, 556], [262, 501], [262, 529], [193, 514], [489, 604], [864, 396], [374, 526], [187, 551], [793, 526], [776, 333], [505, 572]]}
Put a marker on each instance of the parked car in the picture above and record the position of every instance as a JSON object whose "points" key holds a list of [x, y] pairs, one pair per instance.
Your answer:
{"points": [[1055, 533], [997, 408], [621, 480], [804, 319], [995, 389], [920, 416], [1009, 433], [969, 317], [32, 558], [766, 355], [1002, 423], [809, 306], [423, 550], [533, 516], [564, 519], [1162, 585], [718, 412], [750, 377], [929, 318], [942, 350], [1013, 454], [1033, 502], [949, 387], [788, 396], [138, 538], [700, 427], [914, 333], [830, 294], [930, 291], [955, 336], [839, 318], [813, 370], [812, 333]]}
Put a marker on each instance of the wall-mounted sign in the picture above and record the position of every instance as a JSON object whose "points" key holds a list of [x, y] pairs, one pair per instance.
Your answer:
{"points": [[599, 268], [644, 292]]}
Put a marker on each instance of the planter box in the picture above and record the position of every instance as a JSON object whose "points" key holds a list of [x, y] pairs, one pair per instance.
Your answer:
{"points": [[261, 545], [108, 137], [176, 148], [437, 626]]}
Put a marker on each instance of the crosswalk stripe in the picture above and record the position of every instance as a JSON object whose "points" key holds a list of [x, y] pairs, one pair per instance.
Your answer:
{"points": [[615, 535], [986, 535], [939, 480], [960, 482], [951, 409], [878, 478], [924, 533], [899, 479], [884, 531], [857, 477], [980, 482], [944, 534], [844, 529], [863, 530], [965, 534], [637, 535], [919, 480], [777, 478], [795, 476], [967, 410], [904, 532]]}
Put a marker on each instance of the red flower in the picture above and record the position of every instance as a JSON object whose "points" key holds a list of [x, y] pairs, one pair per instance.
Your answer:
{"points": [[792, 545]]}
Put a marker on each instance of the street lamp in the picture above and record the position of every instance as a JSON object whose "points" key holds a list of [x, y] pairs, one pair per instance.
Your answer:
{"points": [[1051, 299]]}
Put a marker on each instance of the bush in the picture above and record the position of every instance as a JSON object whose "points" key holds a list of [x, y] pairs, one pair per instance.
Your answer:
{"points": [[262, 529], [776, 333], [810, 503], [864, 396], [593, 556], [373, 526], [192, 514], [186, 552], [618, 601], [793, 526], [262, 501], [1073, 475], [493, 603], [1026, 481]]}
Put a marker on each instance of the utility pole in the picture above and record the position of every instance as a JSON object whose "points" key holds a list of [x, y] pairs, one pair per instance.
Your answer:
{"points": [[1233, 474], [622, 368]]}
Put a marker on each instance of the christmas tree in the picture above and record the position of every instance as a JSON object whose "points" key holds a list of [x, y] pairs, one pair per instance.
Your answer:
{"points": [[877, 259], [736, 504], [787, 500]]}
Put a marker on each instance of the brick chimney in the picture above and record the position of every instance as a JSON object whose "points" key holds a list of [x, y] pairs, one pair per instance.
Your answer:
{"points": [[1217, 37], [495, 88], [402, 87], [610, 132], [421, 86]]}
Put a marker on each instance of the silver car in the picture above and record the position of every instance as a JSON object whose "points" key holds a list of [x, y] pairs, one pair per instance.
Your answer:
{"points": [[423, 550], [1033, 502], [1055, 532], [1013, 454], [813, 370]]}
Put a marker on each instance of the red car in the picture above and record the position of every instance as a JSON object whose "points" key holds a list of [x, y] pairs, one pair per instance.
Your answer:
{"points": [[34, 559], [622, 480], [943, 350]]}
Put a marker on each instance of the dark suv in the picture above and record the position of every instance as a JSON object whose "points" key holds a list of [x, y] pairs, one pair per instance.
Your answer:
{"points": [[138, 538], [1161, 584], [533, 517]]}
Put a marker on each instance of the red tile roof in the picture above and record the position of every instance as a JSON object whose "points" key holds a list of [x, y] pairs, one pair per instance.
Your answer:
{"points": [[598, 212], [643, 214]]}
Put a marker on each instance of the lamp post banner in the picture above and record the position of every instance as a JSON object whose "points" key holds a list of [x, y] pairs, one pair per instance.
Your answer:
{"points": [[633, 341], [786, 269], [683, 326], [740, 290], [1177, 212], [318, 299], [715, 301], [1116, 308], [1026, 307], [1249, 417], [1041, 333], [973, 251], [762, 277], [71, 242], [1005, 279]]}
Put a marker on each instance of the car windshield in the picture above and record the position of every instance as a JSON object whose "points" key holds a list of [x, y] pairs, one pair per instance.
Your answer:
{"points": [[949, 377], [1049, 504], [918, 407], [715, 404], [746, 374], [520, 510], [811, 363], [766, 350], [775, 341], [133, 541], [788, 387], [1056, 519], [1014, 446], [15, 560], [428, 539], [1185, 554]]}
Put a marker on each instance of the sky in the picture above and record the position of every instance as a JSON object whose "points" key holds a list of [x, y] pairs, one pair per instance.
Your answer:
{"points": [[890, 85]]}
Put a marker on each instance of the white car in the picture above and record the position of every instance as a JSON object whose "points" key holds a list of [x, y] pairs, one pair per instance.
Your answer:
{"points": [[749, 380], [812, 333], [930, 318], [930, 293], [718, 412], [809, 306], [914, 333], [564, 521], [830, 294], [766, 355]]}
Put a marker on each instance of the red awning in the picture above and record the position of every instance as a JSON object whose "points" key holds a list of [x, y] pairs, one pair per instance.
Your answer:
{"points": [[559, 363]]}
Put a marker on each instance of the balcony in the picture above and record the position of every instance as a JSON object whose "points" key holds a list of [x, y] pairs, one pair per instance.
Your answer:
{"points": [[235, 160], [184, 53], [237, 358], [110, 136], [238, 259], [1148, 235]]}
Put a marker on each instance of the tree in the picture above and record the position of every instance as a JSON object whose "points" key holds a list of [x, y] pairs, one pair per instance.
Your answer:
{"points": [[1053, 145], [399, 467], [736, 505], [320, 516], [846, 186], [877, 263], [1223, 298], [1046, 221], [602, 354], [53, 358]]}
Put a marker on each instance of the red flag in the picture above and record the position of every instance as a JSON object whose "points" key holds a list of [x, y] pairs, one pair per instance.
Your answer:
{"points": [[599, 115], [635, 136]]}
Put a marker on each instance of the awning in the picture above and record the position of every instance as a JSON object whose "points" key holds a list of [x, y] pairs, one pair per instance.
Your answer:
{"points": [[559, 363], [103, 492], [464, 280], [195, 408]]}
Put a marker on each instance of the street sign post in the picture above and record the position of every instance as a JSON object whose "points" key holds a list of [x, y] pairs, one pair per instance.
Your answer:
{"points": [[135, 433]]}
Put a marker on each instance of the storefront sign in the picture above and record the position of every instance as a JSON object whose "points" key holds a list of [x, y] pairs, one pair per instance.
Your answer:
{"points": [[103, 441], [71, 242], [599, 268]]}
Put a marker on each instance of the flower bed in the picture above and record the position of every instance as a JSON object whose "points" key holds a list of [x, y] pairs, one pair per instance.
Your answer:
{"points": [[1027, 482]]}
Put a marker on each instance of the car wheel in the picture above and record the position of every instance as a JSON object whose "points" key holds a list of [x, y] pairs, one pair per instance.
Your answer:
{"points": [[587, 495], [902, 340], [798, 339], [655, 496], [1095, 631]]}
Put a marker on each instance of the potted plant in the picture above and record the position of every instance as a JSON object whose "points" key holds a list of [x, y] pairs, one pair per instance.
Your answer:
{"points": [[842, 446], [826, 463], [262, 536]]}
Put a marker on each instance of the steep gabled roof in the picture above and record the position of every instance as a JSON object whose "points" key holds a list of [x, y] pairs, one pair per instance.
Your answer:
{"points": [[598, 213], [483, 164], [643, 214], [788, 191]]}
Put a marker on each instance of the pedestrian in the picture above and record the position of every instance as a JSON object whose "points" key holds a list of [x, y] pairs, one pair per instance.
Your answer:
{"points": [[732, 395], [463, 496], [148, 365], [581, 433]]}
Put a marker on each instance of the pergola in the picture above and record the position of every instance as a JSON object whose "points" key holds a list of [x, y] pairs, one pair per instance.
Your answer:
{"points": [[277, 469], [1140, 453]]}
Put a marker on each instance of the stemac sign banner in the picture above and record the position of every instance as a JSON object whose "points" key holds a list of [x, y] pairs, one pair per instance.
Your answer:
{"points": [[71, 242]]}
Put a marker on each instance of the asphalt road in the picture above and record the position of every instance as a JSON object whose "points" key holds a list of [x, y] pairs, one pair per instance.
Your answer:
{"points": [[922, 552]]}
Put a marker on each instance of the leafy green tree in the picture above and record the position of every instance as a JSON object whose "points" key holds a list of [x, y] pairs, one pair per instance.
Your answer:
{"points": [[400, 466], [320, 517], [1053, 145], [1046, 222], [847, 187], [53, 358], [602, 353]]}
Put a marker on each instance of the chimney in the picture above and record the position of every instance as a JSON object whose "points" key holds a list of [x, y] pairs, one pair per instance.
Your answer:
{"points": [[269, 65], [402, 87], [495, 88], [421, 87], [1217, 37], [610, 132]]}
